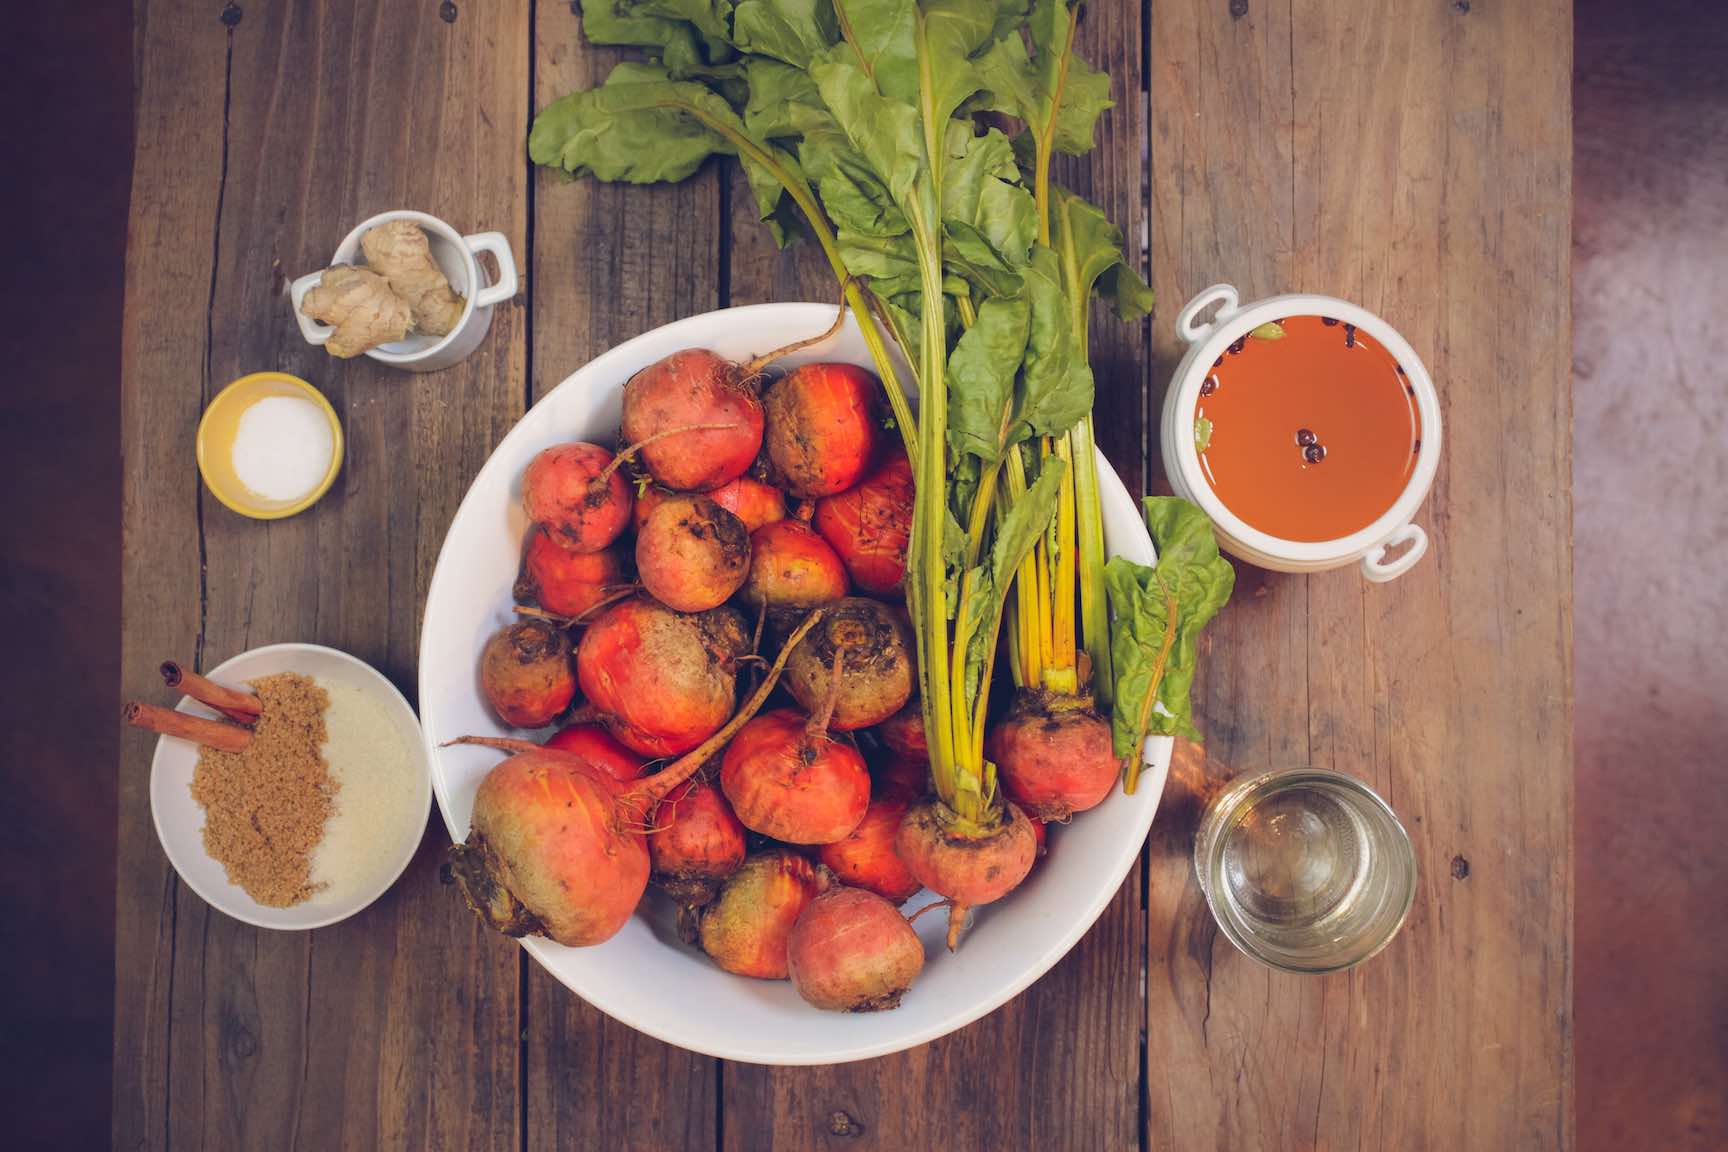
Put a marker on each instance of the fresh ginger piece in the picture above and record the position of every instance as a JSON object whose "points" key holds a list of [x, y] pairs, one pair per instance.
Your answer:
{"points": [[398, 250], [359, 304]]}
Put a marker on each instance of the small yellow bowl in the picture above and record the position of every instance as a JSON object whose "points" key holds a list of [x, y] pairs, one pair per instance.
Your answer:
{"points": [[220, 424]]}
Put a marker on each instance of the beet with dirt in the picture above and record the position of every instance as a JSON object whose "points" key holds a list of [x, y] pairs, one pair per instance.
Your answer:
{"points": [[867, 858], [870, 526], [699, 421], [792, 567], [1053, 755], [567, 583], [579, 494], [526, 673], [874, 645], [695, 842], [661, 681], [745, 928], [692, 554], [788, 779], [967, 864], [823, 429], [852, 951]]}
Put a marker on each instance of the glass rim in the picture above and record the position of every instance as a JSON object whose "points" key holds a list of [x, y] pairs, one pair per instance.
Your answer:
{"points": [[1208, 853]]}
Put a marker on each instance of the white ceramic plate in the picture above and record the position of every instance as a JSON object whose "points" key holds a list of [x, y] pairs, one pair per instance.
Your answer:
{"points": [[180, 821], [642, 977]]}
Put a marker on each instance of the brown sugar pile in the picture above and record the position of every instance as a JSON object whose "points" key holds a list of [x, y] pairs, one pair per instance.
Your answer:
{"points": [[265, 808]]}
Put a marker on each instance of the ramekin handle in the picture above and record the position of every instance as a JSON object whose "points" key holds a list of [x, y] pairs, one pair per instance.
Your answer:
{"points": [[499, 245], [1378, 569], [1223, 295], [315, 333]]}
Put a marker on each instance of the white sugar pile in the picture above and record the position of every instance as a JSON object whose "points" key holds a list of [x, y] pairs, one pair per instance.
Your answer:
{"points": [[282, 447], [369, 759]]}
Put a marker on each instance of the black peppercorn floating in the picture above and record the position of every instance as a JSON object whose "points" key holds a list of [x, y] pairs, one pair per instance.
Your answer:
{"points": [[1328, 321], [1305, 437], [1314, 453], [1349, 335], [1238, 345], [1209, 386]]}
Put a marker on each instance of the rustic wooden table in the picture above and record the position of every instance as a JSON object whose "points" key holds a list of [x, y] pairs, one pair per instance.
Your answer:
{"points": [[1413, 155]]}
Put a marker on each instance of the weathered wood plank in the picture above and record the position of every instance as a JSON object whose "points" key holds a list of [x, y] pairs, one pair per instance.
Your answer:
{"points": [[1415, 159], [1113, 176], [398, 1028], [180, 80], [1059, 1067], [760, 272], [609, 262], [1220, 177]]}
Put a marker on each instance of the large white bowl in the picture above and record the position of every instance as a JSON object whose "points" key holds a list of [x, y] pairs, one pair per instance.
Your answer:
{"points": [[643, 977]]}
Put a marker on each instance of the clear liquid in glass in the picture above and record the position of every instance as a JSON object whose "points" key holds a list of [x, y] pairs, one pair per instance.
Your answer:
{"points": [[1306, 870]]}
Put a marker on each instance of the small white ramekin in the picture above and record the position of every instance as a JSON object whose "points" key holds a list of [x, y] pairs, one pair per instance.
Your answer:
{"points": [[455, 254], [1206, 341]]}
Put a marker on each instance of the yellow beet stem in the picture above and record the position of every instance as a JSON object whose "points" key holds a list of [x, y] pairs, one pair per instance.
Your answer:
{"points": [[927, 580], [1064, 554], [981, 512], [1046, 620], [1023, 606], [1094, 607]]}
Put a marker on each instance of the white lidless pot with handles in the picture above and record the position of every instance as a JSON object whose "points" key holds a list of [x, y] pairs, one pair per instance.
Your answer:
{"points": [[643, 976], [1207, 339], [458, 257]]}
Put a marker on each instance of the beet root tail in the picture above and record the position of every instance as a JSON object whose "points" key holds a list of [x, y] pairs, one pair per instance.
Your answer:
{"points": [[956, 922], [474, 868], [501, 743]]}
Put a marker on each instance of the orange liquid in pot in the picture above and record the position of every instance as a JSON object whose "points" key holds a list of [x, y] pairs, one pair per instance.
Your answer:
{"points": [[1313, 436]]}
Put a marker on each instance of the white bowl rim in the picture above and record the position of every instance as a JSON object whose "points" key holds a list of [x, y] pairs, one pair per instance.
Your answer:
{"points": [[797, 316], [387, 877], [1192, 372]]}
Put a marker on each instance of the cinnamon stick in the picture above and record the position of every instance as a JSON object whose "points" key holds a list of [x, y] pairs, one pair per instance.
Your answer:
{"points": [[185, 726], [232, 703]]}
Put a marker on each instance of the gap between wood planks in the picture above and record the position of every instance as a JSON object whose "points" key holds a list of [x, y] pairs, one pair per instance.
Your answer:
{"points": [[1141, 246], [207, 392], [527, 403]]}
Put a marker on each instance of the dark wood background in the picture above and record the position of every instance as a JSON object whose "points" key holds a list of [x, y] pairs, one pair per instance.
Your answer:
{"points": [[65, 169], [1285, 145]]}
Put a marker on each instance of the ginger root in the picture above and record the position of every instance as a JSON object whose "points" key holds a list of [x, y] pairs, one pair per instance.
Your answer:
{"points": [[359, 304], [399, 251]]}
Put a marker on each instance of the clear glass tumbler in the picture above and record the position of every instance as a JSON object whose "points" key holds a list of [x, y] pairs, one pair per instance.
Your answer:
{"points": [[1304, 869]]}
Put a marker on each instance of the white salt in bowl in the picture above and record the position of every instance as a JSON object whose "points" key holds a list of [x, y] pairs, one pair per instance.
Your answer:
{"points": [[643, 976], [394, 833]]}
